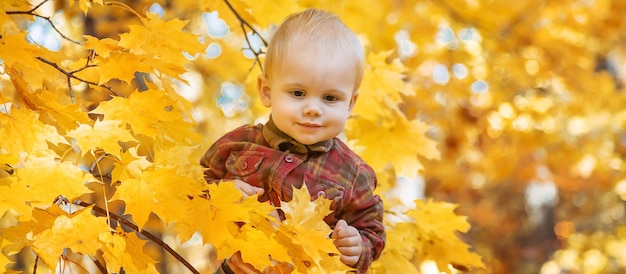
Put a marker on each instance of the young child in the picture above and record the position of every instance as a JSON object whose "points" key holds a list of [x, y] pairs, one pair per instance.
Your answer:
{"points": [[313, 69]]}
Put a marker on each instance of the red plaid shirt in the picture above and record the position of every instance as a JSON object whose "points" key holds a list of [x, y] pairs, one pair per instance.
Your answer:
{"points": [[263, 156]]}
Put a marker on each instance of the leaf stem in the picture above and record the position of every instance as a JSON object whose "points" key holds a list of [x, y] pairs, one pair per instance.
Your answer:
{"points": [[142, 232], [35, 265], [100, 266]]}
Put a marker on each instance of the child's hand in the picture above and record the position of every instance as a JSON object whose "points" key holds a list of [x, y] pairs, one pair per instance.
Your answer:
{"points": [[348, 242], [246, 189]]}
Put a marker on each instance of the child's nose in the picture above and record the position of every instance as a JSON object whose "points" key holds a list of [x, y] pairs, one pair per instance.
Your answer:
{"points": [[312, 108]]}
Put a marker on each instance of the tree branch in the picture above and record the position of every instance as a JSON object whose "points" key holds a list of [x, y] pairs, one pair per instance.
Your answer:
{"points": [[32, 12], [70, 75], [244, 24], [143, 232]]}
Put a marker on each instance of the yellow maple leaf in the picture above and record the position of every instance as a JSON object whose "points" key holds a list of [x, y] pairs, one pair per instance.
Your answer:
{"points": [[79, 232], [68, 116], [15, 49], [163, 41], [103, 47], [162, 191], [129, 166], [15, 5], [104, 134], [21, 235], [21, 131], [125, 250], [438, 225], [40, 181], [122, 66], [302, 211], [4, 260], [7, 160], [265, 251], [398, 141], [260, 228], [306, 234], [10, 200], [219, 219], [399, 250], [151, 113], [85, 5], [429, 212], [7, 25], [382, 85], [227, 207]]}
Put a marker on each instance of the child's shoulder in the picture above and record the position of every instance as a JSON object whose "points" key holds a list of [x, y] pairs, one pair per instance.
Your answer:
{"points": [[246, 128], [242, 133]]}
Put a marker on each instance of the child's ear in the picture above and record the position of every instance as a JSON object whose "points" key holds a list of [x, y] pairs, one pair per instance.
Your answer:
{"points": [[264, 90], [355, 95]]}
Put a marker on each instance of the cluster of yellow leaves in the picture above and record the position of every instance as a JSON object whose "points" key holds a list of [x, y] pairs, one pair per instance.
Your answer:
{"points": [[140, 149], [435, 226], [300, 241]]}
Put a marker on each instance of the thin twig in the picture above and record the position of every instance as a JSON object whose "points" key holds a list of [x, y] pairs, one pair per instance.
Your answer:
{"points": [[70, 74], [83, 68], [38, 6], [143, 232], [66, 260], [243, 24], [35, 265], [47, 18]]}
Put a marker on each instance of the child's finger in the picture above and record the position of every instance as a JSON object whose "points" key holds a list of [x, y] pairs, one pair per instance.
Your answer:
{"points": [[341, 225], [248, 190]]}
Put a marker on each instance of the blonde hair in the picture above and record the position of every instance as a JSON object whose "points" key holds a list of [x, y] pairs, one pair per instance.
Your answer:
{"points": [[317, 28]]}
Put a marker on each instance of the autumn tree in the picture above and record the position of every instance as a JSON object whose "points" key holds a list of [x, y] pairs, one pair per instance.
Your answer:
{"points": [[106, 106]]}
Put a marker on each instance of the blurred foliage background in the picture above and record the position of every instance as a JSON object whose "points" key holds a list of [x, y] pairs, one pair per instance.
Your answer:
{"points": [[525, 100]]}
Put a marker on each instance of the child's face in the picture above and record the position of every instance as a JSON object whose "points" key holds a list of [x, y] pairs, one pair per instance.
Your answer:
{"points": [[311, 94]]}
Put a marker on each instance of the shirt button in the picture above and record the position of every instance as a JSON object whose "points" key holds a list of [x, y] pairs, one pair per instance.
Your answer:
{"points": [[288, 158], [243, 165]]}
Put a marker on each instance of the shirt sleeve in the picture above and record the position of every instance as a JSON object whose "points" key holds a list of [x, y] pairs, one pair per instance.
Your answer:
{"points": [[364, 211], [214, 160]]}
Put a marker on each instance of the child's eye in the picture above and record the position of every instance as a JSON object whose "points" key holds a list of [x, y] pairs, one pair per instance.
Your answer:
{"points": [[298, 93], [331, 98]]}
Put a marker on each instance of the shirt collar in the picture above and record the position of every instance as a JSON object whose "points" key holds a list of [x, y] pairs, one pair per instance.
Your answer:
{"points": [[281, 141]]}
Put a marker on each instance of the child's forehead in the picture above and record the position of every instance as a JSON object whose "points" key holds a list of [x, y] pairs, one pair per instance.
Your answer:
{"points": [[318, 47]]}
